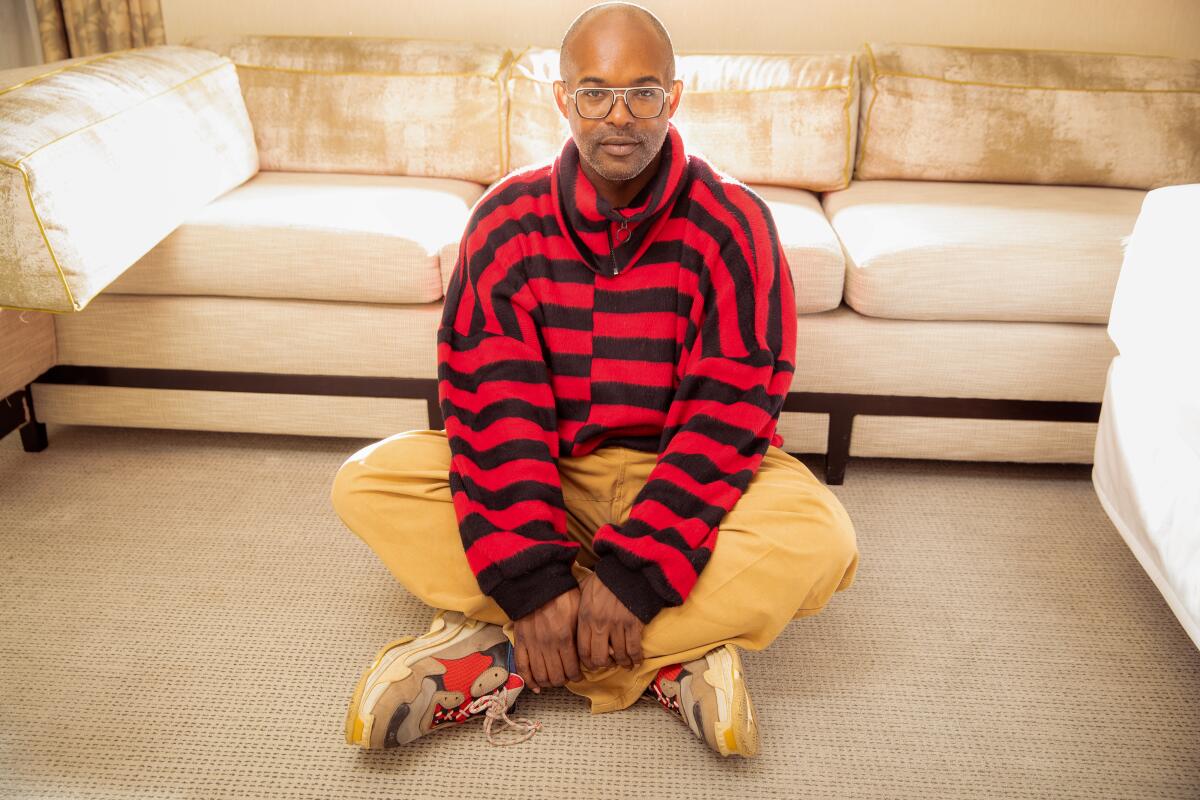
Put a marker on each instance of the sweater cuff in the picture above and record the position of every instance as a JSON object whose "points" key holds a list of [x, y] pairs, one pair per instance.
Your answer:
{"points": [[529, 592], [630, 587]]}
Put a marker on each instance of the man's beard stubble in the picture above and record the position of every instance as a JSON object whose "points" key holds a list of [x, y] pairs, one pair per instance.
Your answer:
{"points": [[622, 171]]}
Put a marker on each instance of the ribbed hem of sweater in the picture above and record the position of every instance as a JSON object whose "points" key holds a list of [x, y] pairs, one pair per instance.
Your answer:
{"points": [[630, 587], [529, 592]]}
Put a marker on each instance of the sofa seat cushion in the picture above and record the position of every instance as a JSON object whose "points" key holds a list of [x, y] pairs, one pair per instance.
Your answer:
{"points": [[982, 251], [810, 246], [318, 236]]}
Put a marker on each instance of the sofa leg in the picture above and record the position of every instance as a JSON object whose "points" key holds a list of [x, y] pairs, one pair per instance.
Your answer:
{"points": [[837, 448], [33, 433]]}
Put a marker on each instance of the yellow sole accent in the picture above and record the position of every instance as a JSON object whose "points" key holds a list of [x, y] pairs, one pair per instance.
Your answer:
{"points": [[354, 725], [738, 733]]}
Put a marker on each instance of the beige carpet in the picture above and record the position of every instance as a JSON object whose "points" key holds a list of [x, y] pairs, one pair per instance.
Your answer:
{"points": [[184, 617]]}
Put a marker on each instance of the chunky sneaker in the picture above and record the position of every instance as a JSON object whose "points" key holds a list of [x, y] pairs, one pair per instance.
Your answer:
{"points": [[709, 695], [462, 668]]}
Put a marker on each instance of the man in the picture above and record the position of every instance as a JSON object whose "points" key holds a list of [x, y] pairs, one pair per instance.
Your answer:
{"points": [[608, 508]]}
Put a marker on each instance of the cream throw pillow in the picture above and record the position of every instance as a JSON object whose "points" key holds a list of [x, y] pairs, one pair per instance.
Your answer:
{"points": [[1028, 116], [787, 120], [381, 106]]}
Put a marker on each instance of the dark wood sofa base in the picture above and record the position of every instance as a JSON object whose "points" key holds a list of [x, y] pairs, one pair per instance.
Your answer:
{"points": [[841, 408]]}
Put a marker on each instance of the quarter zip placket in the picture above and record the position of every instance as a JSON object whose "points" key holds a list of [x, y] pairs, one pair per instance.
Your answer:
{"points": [[612, 252]]}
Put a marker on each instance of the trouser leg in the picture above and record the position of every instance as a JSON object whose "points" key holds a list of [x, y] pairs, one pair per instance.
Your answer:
{"points": [[395, 495], [782, 552]]}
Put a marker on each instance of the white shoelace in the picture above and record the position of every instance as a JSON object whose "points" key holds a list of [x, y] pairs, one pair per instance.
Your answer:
{"points": [[497, 708]]}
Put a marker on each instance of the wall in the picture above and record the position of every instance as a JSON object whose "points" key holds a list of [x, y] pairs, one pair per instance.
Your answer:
{"points": [[1163, 27]]}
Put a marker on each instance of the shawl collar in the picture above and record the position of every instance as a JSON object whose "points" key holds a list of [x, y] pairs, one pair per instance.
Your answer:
{"points": [[595, 226]]}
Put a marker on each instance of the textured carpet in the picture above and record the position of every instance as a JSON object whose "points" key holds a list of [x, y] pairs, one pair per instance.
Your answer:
{"points": [[184, 616]]}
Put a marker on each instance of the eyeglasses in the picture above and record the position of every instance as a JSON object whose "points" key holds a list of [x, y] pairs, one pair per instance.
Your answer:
{"points": [[595, 102]]}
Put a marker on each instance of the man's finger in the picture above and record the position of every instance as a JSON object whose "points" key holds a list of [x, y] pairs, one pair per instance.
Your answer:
{"points": [[537, 662], [570, 662], [583, 643], [554, 668], [523, 666], [599, 643], [619, 651], [633, 642]]}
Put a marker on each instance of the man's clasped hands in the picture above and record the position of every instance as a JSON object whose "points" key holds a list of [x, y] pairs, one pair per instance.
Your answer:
{"points": [[585, 626]]}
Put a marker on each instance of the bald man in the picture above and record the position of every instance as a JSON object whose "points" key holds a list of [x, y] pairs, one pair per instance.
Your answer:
{"points": [[608, 507]]}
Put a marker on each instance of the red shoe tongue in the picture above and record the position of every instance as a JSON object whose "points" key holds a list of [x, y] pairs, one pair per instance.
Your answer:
{"points": [[462, 672], [669, 672]]}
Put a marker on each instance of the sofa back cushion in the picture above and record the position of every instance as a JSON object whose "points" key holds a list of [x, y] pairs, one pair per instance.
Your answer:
{"points": [[101, 158], [1028, 116], [783, 119], [372, 105]]}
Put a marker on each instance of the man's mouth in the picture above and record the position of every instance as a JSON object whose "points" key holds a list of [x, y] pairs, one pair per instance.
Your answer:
{"points": [[617, 146]]}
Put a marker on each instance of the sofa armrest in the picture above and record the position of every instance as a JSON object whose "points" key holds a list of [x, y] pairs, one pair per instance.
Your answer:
{"points": [[1153, 314], [101, 158], [26, 348]]}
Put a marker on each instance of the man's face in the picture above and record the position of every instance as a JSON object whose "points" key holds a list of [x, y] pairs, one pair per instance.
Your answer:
{"points": [[617, 54]]}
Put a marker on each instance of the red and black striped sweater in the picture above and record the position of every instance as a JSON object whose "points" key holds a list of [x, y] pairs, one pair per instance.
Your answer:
{"points": [[668, 326]]}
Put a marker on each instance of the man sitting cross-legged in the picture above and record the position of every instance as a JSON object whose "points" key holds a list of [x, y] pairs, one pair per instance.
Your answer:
{"points": [[608, 508]]}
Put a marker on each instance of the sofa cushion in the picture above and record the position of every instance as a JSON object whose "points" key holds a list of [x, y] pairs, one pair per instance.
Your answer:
{"points": [[784, 119], [1028, 116], [939, 250], [810, 246], [88, 152], [322, 236], [372, 105], [298, 337]]}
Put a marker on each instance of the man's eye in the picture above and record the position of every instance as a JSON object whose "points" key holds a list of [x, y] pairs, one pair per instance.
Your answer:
{"points": [[593, 94], [646, 93]]}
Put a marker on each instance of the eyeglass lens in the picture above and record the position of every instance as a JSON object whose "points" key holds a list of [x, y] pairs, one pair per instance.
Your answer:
{"points": [[643, 102]]}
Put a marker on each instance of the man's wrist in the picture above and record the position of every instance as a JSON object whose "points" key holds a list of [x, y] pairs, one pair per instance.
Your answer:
{"points": [[630, 587], [523, 595]]}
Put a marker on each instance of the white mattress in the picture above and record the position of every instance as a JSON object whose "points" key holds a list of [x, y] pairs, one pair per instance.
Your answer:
{"points": [[1147, 475]]}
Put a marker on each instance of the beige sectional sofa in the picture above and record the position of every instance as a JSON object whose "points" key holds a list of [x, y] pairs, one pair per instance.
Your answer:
{"points": [[275, 220]]}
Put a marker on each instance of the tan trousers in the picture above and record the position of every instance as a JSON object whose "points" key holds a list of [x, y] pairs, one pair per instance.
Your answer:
{"points": [[781, 552]]}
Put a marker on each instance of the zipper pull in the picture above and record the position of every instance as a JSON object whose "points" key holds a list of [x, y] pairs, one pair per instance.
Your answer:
{"points": [[623, 232]]}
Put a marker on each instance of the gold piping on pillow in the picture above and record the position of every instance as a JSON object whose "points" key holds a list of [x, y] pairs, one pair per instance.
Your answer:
{"points": [[269, 68], [168, 90], [851, 91], [506, 154], [37, 78]]}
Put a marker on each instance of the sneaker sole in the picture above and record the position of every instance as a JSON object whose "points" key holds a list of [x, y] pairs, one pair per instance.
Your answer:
{"points": [[394, 662], [738, 733]]}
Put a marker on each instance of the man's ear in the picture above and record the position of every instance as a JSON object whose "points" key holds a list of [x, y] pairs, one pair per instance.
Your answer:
{"points": [[560, 98], [676, 95]]}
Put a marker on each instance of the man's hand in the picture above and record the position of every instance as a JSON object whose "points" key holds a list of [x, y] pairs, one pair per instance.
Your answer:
{"points": [[546, 643], [606, 625]]}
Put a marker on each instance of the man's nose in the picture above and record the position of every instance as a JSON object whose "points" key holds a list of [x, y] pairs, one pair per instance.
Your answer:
{"points": [[620, 111]]}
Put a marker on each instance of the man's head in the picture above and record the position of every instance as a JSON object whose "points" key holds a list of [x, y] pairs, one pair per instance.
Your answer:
{"points": [[617, 45]]}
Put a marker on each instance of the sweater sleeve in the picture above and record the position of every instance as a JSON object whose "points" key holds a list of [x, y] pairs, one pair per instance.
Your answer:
{"points": [[495, 396], [735, 376]]}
